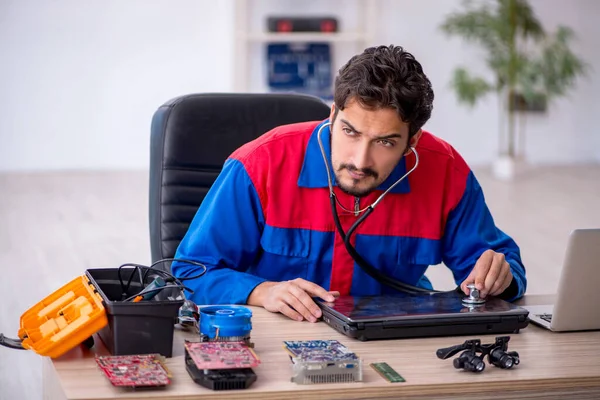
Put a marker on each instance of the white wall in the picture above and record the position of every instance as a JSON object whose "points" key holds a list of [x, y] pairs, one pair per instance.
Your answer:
{"points": [[570, 132], [79, 81]]}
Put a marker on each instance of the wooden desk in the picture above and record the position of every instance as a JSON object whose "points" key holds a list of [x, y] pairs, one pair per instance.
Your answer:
{"points": [[553, 365]]}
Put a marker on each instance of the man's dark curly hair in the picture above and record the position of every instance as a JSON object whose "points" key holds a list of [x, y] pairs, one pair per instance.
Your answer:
{"points": [[386, 77]]}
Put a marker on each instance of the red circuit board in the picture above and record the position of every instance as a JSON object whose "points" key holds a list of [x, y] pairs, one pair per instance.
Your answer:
{"points": [[222, 355], [135, 370]]}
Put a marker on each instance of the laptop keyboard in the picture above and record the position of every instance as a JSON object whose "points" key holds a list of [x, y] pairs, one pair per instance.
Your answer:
{"points": [[546, 317]]}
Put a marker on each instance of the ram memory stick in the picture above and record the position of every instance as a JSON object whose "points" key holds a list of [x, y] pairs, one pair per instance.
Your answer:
{"points": [[387, 372]]}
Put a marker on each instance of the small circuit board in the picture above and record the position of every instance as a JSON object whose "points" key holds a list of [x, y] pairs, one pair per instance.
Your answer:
{"points": [[220, 379], [133, 371], [319, 350], [222, 355], [323, 361], [387, 372]]}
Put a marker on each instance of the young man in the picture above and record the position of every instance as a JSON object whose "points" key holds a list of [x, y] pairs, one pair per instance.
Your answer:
{"points": [[266, 232]]}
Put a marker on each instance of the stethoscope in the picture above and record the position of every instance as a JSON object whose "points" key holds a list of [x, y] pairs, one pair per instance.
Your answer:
{"points": [[364, 264]]}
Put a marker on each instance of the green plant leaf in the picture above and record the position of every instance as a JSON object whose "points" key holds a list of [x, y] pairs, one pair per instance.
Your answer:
{"points": [[502, 64], [560, 66], [525, 23], [469, 89], [491, 23], [476, 24]]}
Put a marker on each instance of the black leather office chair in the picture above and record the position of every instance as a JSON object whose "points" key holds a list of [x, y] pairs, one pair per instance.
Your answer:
{"points": [[192, 136]]}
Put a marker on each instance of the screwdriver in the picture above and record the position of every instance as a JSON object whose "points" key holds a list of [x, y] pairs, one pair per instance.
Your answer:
{"points": [[149, 291]]}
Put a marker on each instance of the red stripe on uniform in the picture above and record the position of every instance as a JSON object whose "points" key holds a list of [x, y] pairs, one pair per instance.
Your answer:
{"points": [[342, 267]]}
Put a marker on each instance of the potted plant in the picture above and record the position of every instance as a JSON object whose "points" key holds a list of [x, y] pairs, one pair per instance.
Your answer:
{"points": [[530, 67]]}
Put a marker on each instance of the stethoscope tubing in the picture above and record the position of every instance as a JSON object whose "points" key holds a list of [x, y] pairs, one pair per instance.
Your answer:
{"points": [[364, 264]]}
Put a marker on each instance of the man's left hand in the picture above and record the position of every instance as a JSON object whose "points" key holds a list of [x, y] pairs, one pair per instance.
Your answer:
{"points": [[491, 275]]}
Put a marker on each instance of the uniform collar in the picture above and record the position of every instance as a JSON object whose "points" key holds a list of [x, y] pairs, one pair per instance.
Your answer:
{"points": [[314, 175]]}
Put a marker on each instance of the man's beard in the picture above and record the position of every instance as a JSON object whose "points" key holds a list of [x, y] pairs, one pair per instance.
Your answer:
{"points": [[352, 191]]}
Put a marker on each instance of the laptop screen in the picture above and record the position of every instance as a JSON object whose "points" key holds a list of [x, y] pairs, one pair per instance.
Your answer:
{"points": [[402, 306]]}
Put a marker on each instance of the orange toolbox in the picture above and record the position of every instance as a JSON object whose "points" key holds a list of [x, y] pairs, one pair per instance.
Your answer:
{"points": [[64, 319], [93, 303]]}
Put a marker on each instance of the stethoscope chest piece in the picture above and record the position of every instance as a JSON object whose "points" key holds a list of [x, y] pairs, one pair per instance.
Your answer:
{"points": [[473, 297]]}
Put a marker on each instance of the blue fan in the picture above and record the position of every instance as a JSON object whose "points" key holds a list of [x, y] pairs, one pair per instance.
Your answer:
{"points": [[225, 323]]}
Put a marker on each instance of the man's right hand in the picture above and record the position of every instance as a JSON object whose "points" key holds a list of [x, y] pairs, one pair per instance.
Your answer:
{"points": [[291, 298]]}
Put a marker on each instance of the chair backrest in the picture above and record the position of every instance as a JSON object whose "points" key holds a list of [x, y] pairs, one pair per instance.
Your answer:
{"points": [[192, 136]]}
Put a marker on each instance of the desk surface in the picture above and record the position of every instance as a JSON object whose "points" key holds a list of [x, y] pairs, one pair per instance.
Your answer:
{"points": [[557, 365]]}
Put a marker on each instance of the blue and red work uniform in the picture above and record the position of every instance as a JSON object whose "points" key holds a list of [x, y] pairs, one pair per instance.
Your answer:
{"points": [[268, 217]]}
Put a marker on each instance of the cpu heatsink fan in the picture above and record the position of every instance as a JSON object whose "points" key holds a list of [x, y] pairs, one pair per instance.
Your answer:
{"points": [[225, 323]]}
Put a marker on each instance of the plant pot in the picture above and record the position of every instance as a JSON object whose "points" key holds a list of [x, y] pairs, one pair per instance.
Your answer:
{"points": [[504, 168]]}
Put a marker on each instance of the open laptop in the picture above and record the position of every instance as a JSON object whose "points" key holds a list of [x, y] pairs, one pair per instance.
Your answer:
{"points": [[420, 315], [577, 305]]}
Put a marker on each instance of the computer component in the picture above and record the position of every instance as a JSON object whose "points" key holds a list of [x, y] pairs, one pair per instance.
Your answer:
{"points": [[219, 379], [323, 361], [576, 307], [420, 315], [223, 358], [225, 323], [135, 370], [222, 355], [387, 372]]}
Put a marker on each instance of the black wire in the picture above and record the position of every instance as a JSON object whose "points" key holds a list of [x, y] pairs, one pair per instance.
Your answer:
{"points": [[11, 343], [137, 268], [170, 277], [364, 264], [156, 289], [196, 263]]}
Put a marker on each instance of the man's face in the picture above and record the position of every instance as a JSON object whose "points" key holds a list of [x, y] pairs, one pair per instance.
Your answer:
{"points": [[366, 145]]}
